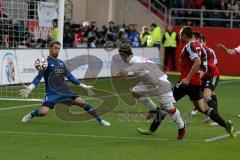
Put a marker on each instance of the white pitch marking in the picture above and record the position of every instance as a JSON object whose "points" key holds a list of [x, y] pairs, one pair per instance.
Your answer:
{"points": [[18, 107], [96, 136], [219, 137]]}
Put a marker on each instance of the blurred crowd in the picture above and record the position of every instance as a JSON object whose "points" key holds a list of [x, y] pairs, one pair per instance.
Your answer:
{"points": [[222, 5], [89, 34], [16, 34]]}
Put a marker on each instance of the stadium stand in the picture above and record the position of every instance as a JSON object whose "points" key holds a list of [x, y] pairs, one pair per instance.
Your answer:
{"points": [[19, 20]]}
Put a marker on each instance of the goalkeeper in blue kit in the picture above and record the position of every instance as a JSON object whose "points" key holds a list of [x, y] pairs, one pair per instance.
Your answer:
{"points": [[56, 89]]}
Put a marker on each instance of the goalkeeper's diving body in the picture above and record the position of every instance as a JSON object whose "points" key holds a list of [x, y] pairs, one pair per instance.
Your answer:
{"points": [[56, 90], [153, 82]]}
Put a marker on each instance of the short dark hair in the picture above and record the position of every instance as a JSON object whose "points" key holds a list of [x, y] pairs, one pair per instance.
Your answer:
{"points": [[125, 47], [203, 38], [197, 35], [111, 22], [153, 25], [52, 43], [55, 20], [187, 30]]}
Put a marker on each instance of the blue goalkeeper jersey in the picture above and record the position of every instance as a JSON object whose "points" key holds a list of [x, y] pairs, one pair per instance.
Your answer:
{"points": [[54, 77]]}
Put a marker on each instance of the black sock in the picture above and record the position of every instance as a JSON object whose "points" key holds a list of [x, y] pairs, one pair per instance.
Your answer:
{"points": [[212, 104], [213, 114], [214, 97], [160, 116]]}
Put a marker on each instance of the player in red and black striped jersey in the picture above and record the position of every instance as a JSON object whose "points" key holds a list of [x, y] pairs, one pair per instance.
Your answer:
{"points": [[211, 75], [190, 80]]}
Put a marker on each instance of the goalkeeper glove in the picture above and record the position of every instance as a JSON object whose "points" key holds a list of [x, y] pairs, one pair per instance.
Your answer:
{"points": [[88, 89], [27, 90]]}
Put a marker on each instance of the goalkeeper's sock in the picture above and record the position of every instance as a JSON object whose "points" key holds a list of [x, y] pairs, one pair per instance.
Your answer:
{"points": [[213, 114], [36, 113], [87, 107]]}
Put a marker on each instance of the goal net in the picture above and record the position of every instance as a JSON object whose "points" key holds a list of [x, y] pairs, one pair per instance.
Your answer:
{"points": [[26, 29]]}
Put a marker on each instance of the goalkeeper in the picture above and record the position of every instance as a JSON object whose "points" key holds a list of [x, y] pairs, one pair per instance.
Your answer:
{"points": [[56, 89]]}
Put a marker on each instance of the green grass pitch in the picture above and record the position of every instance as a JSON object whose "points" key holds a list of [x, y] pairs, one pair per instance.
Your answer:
{"points": [[54, 139]]}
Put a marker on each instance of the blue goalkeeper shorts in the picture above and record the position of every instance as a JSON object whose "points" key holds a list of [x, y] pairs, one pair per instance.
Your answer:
{"points": [[51, 100]]}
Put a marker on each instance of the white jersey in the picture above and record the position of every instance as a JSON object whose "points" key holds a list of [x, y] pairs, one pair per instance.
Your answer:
{"points": [[143, 67], [237, 50], [149, 73], [137, 59], [153, 80]]}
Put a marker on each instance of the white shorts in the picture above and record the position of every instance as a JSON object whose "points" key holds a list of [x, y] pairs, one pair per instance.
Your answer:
{"points": [[163, 93]]}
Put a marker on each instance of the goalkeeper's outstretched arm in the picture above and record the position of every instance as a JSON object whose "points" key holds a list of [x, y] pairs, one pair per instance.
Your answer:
{"points": [[74, 80], [28, 89]]}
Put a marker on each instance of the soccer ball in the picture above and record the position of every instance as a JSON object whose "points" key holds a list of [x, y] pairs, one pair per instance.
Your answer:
{"points": [[41, 64]]}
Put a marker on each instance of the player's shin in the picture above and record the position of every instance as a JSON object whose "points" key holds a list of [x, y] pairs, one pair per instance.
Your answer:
{"points": [[214, 97], [37, 113], [160, 116], [175, 115], [213, 114], [211, 103]]}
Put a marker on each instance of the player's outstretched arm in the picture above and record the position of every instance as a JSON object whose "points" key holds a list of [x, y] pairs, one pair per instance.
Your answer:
{"points": [[28, 89], [74, 80], [87, 88], [226, 50]]}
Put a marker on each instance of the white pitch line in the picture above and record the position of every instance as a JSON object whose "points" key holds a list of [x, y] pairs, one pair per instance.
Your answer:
{"points": [[96, 136], [19, 107], [229, 81], [219, 137]]}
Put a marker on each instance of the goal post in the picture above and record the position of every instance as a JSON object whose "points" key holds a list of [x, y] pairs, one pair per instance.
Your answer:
{"points": [[25, 33]]}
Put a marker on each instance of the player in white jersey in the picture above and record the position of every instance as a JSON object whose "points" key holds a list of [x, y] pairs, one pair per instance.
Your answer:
{"points": [[153, 82], [230, 51]]}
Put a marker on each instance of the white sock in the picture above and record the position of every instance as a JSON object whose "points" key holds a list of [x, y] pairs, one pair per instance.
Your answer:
{"points": [[148, 102], [177, 119]]}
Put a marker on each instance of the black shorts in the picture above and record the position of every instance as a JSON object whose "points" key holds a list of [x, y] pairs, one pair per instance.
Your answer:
{"points": [[210, 82], [193, 91]]}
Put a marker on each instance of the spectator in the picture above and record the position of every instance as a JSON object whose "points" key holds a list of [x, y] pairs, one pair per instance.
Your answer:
{"points": [[170, 41], [2, 14], [144, 36], [155, 37], [91, 35], [182, 3], [112, 31], [221, 5], [231, 5], [20, 31], [136, 39], [122, 36], [68, 37], [103, 36], [55, 29], [78, 36], [129, 32]]}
